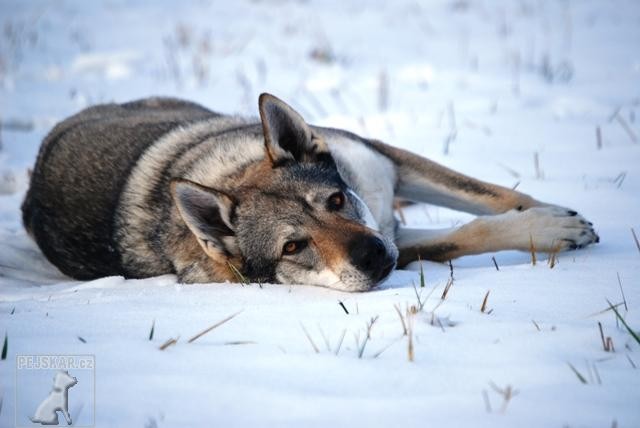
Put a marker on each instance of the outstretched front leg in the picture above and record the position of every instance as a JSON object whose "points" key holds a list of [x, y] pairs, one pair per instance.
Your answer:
{"points": [[422, 180], [509, 220], [547, 228]]}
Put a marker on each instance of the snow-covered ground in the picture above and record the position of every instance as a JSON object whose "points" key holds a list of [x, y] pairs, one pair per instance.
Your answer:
{"points": [[508, 91]]}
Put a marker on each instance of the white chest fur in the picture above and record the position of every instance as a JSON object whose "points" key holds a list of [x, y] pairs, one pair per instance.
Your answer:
{"points": [[371, 175]]}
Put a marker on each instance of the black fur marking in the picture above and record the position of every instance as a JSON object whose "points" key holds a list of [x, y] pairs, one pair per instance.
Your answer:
{"points": [[437, 252], [260, 271]]}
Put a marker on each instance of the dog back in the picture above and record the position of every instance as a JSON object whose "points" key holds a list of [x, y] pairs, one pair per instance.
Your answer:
{"points": [[82, 167]]}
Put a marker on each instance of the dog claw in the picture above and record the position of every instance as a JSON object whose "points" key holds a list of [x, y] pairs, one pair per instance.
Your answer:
{"points": [[572, 213]]}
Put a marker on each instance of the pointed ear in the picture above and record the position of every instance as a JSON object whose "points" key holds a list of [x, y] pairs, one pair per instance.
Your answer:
{"points": [[207, 213], [286, 134]]}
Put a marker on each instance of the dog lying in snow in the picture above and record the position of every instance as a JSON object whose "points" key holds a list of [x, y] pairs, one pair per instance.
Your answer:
{"points": [[162, 185]]}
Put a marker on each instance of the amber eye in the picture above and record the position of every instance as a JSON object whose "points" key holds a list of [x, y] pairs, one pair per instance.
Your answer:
{"points": [[336, 201], [293, 247]]}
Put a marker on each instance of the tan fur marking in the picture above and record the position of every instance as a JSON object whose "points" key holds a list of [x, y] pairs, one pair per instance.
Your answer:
{"points": [[333, 239]]}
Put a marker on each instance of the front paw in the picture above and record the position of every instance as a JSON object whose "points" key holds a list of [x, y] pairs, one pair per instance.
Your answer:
{"points": [[553, 228]]}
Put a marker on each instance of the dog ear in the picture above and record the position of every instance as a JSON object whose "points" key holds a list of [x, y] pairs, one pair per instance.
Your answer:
{"points": [[286, 134], [207, 213]]}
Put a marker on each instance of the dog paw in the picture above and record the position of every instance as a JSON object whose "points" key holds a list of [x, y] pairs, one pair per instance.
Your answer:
{"points": [[554, 228]]}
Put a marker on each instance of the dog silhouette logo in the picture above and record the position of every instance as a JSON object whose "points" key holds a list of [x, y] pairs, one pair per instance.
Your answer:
{"points": [[57, 400]]}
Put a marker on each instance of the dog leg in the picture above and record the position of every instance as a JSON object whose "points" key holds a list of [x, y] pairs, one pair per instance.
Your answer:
{"points": [[549, 228], [422, 180], [66, 414]]}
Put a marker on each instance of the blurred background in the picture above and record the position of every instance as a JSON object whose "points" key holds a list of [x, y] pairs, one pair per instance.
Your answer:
{"points": [[534, 90]]}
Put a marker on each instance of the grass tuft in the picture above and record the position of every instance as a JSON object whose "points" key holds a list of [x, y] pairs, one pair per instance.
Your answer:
{"points": [[82, 339]]}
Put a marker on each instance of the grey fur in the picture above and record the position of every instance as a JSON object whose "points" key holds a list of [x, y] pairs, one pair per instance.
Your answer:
{"points": [[167, 186]]}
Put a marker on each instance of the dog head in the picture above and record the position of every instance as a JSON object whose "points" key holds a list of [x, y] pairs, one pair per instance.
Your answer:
{"points": [[63, 380], [290, 218]]}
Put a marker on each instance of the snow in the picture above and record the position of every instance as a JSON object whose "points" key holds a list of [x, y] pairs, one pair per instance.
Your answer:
{"points": [[504, 81]]}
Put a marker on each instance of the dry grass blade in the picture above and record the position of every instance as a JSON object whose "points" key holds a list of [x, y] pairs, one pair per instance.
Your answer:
{"points": [[577, 373], [598, 138], [487, 403], [168, 343], [236, 273], [447, 287], [5, 347], [532, 250], [344, 332], [631, 332], [635, 238], [536, 164], [419, 298], [624, 299], [607, 343], [484, 302], [216, 325], [553, 257], [152, 331], [377, 354], [631, 361], [410, 350], [536, 325], [404, 325], [368, 335], [422, 281], [495, 263], [324, 337], [627, 128], [306, 333], [508, 392], [604, 310], [344, 308]]}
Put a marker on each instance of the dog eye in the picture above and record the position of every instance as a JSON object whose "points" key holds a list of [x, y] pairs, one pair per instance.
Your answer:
{"points": [[293, 247], [336, 201]]}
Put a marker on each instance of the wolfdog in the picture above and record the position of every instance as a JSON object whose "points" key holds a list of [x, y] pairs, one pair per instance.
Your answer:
{"points": [[162, 185]]}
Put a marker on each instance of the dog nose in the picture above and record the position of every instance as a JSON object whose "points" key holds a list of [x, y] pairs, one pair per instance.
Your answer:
{"points": [[369, 255]]}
